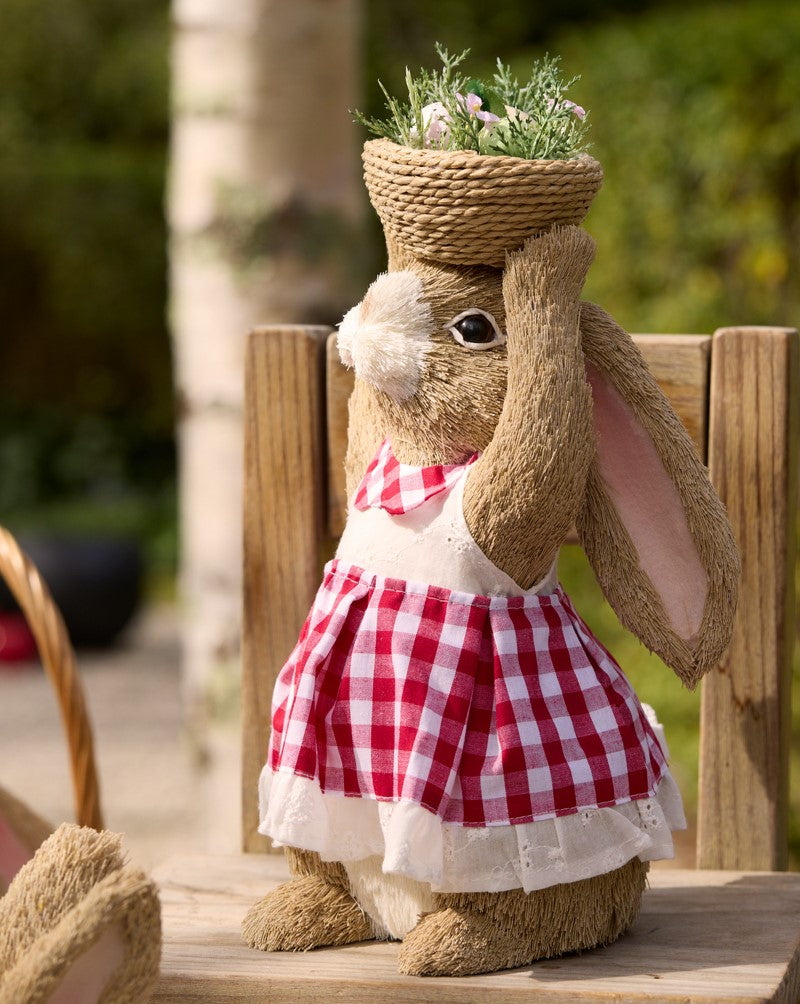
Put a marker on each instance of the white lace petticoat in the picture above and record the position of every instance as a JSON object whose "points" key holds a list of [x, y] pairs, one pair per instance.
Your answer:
{"points": [[413, 842]]}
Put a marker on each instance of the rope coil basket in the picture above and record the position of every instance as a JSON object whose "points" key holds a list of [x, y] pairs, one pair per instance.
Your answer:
{"points": [[464, 208], [58, 659]]}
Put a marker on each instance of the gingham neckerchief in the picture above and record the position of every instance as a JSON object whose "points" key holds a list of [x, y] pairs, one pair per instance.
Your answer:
{"points": [[399, 488]]}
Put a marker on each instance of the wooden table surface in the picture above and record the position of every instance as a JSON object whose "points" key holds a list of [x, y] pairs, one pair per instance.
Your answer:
{"points": [[701, 936]]}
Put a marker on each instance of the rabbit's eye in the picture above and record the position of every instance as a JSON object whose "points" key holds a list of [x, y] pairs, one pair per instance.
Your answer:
{"points": [[476, 329]]}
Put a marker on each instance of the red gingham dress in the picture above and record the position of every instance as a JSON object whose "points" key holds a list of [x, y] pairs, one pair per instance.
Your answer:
{"points": [[484, 710]]}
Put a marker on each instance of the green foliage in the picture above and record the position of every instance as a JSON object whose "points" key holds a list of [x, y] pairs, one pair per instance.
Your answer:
{"points": [[90, 475], [407, 123], [696, 122], [85, 387], [540, 123], [697, 125], [399, 34], [84, 70], [447, 111]]}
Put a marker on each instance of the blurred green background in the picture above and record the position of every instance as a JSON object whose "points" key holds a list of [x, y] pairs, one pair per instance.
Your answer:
{"points": [[86, 414], [695, 117]]}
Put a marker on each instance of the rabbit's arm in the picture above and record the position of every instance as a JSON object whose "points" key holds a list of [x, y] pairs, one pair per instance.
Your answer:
{"points": [[523, 494], [652, 525]]}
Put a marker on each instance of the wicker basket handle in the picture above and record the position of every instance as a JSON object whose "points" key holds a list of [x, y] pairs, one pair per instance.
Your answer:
{"points": [[58, 659]]}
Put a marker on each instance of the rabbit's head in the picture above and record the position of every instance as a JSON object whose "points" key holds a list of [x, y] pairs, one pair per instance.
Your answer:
{"points": [[427, 343]]}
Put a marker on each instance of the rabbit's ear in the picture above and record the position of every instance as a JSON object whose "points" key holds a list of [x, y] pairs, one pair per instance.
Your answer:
{"points": [[635, 483], [21, 832], [13, 854], [652, 525]]}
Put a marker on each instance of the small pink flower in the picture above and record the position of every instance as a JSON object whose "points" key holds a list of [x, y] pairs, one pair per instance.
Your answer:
{"points": [[472, 105], [489, 119], [435, 110], [575, 109], [471, 102], [568, 106]]}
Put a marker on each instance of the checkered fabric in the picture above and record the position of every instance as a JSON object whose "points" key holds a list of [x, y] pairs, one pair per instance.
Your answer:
{"points": [[484, 710], [399, 488]]}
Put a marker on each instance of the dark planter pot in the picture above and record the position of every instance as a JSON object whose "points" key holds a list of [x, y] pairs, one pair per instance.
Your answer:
{"points": [[96, 582]]}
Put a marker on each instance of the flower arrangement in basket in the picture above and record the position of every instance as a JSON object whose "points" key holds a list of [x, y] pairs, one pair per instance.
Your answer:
{"points": [[455, 760], [454, 180]]}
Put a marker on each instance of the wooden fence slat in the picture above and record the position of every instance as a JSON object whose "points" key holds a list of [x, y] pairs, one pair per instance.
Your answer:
{"points": [[680, 364], [284, 510], [340, 382], [745, 712]]}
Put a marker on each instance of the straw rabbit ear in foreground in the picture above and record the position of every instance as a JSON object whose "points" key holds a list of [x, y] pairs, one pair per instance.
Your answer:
{"points": [[455, 761], [21, 832], [77, 924]]}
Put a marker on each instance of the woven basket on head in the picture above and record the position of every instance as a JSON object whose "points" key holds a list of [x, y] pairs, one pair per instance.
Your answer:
{"points": [[58, 659], [462, 208]]}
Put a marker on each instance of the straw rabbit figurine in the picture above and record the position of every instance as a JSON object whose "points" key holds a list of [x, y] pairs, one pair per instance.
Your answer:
{"points": [[76, 923], [455, 761]]}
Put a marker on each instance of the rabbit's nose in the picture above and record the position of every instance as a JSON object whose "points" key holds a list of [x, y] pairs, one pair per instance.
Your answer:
{"points": [[386, 337]]}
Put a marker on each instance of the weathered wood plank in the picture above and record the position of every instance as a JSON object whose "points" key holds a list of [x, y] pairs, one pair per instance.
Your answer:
{"points": [[283, 525], [745, 716], [701, 937], [340, 382], [680, 364]]}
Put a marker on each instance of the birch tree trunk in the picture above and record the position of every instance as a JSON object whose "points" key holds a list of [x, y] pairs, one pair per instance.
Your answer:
{"points": [[265, 205]]}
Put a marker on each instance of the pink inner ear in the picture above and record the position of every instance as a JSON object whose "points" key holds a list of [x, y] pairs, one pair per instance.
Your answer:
{"points": [[13, 853], [649, 506], [86, 978]]}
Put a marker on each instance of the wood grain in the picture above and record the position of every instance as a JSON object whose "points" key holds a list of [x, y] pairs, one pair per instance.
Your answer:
{"points": [[701, 937], [745, 716], [340, 382], [680, 364], [283, 525]]}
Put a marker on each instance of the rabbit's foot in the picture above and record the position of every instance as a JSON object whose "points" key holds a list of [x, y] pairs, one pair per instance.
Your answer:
{"points": [[306, 912], [471, 933], [460, 942], [104, 950]]}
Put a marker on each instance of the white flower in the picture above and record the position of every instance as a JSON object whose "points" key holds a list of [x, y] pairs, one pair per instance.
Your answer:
{"points": [[489, 119], [513, 113], [435, 119]]}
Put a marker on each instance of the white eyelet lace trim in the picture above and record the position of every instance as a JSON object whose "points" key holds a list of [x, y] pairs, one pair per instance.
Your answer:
{"points": [[413, 842]]}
